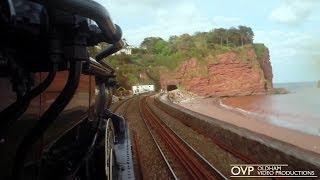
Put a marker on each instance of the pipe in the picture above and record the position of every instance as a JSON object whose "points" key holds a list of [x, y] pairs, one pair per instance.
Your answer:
{"points": [[102, 97], [110, 50], [88, 153], [101, 112], [98, 69], [12, 113], [91, 10], [47, 118]]}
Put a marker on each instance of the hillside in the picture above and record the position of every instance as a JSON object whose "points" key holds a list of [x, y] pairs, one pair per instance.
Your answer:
{"points": [[237, 72], [222, 62]]}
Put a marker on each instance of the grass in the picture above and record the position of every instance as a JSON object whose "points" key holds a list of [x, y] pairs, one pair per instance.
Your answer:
{"points": [[260, 50]]}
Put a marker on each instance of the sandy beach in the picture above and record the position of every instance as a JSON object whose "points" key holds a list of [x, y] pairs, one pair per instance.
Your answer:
{"points": [[211, 107]]}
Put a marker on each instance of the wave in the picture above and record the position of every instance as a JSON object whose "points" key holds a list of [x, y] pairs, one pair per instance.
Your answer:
{"points": [[275, 120]]}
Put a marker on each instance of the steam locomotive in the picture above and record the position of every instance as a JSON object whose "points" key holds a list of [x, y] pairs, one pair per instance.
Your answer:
{"points": [[54, 100]]}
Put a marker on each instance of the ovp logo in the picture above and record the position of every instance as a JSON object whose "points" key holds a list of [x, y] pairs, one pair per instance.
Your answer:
{"points": [[241, 170]]}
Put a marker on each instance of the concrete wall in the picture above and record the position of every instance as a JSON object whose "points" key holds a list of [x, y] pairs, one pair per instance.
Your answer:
{"points": [[260, 148]]}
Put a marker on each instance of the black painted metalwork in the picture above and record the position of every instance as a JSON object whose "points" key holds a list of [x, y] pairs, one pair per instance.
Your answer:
{"points": [[110, 50], [12, 113], [47, 118], [92, 10], [52, 36]]}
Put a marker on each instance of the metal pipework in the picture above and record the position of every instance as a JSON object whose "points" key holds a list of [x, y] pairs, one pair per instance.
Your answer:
{"points": [[110, 50], [91, 10], [12, 113], [47, 118]]}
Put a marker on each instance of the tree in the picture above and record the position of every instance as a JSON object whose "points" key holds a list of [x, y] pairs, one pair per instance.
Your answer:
{"points": [[234, 36], [173, 43], [181, 43], [226, 35], [185, 42], [200, 40], [172, 38], [149, 43], [220, 33], [246, 35], [161, 47]]}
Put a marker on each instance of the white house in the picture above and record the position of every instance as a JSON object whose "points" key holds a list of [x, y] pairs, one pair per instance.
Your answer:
{"points": [[126, 50], [142, 88]]}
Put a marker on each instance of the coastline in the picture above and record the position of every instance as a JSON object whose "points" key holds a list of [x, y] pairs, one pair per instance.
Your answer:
{"points": [[212, 108], [296, 110], [273, 119]]}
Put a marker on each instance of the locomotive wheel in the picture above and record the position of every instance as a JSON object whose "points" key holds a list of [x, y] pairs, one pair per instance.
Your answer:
{"points": [[102, 164]]}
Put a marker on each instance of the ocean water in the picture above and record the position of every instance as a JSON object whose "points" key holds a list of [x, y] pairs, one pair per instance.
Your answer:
{"points": [[298, 110]]}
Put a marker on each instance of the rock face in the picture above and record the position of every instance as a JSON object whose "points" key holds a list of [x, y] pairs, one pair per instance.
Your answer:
{"points": [[267, 69], [228, 74]]}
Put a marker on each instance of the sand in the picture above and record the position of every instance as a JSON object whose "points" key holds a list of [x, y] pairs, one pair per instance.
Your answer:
{"points": [[209, 107]]}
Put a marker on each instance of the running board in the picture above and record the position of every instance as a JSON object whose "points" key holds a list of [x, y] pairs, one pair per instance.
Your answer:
{"points": [[122, 149]]}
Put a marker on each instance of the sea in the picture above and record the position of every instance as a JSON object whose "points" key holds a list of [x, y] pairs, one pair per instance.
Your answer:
{"points": [[298, 110]]}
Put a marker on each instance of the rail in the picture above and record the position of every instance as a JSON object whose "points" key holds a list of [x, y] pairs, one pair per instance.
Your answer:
{"points": [[192, 161]]}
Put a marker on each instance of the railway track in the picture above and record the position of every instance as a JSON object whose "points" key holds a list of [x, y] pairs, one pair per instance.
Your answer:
{"points": [[215, 140], [179, 159], [183, 157], [116, 107]]}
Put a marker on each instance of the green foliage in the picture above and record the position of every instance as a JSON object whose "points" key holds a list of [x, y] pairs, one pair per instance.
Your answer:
{"points": [[259, 49], [132, 79], [161, 47], [171, 62], [139, 51], [246, 35], [199, 44], [156, 54], [149, 44]]}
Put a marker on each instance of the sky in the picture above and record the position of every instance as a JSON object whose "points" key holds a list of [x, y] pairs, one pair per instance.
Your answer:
{"points": [[289, 28]]}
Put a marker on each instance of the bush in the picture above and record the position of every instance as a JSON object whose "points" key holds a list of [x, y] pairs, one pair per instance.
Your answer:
{"points": [[259, 50]]}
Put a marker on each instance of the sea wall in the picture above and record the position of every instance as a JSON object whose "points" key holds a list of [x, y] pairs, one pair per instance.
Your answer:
{"points": [[258, 148]]}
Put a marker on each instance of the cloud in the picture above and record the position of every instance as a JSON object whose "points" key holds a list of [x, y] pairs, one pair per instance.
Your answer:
{"points": [[288, 46], [162, 18], [147, 3], [227, 20], [294, 12], [176, 20], [143, 18], [294, 54]]}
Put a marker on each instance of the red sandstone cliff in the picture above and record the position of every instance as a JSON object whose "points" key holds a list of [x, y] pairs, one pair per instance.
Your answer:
{"points": [[267, 68], [228, 74]]}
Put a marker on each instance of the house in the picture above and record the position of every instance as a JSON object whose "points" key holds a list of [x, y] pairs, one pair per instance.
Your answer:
{"points": [[139, 89], [126, 50]]}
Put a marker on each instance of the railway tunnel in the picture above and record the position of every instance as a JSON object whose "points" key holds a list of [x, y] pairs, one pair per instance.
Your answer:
{"points": [[172, 87]]}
